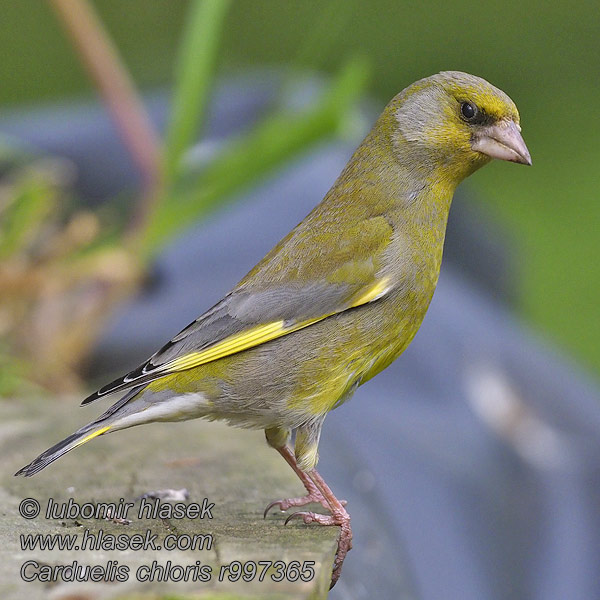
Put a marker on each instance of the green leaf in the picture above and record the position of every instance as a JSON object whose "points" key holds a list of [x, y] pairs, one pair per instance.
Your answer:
{"points": [[254, 154], [33, 200], [193, 78]]}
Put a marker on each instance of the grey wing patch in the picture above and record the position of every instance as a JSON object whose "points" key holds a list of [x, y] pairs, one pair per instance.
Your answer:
{"points": [[243, 309], [216, 323], [239, 310]]}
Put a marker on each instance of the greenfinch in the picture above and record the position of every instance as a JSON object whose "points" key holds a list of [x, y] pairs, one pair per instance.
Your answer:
{"points": [[334, 302]]}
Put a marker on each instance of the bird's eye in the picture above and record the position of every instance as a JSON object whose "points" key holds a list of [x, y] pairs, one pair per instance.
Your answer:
{"points": [[468, 111]]}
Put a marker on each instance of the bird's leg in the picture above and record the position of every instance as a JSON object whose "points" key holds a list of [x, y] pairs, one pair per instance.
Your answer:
{"points": [[278, 438], [314, 495], [303, 462], [339, 516]]}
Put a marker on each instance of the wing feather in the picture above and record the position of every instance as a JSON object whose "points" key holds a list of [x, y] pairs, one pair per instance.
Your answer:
{"points": [[280, 296], [179, 354]]}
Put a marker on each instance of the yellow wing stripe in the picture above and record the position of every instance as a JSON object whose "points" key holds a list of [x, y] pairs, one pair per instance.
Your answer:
{"points": [[231, 345], [91, 436], [378, 290], [258, 335]]}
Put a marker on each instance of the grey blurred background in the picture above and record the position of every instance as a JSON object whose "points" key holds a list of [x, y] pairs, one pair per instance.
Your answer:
{"points": [[471, 464]]}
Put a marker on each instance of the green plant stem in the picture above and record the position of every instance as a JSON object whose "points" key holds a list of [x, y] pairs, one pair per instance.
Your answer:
{"points": [[193, 80]]}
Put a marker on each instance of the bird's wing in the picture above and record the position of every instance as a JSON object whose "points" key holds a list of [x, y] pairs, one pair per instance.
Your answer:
{"points": [[279, 296], [244, 320]]}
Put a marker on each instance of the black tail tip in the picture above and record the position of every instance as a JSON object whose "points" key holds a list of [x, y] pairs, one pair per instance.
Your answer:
{"points": [[90, 398], [33, 467]]}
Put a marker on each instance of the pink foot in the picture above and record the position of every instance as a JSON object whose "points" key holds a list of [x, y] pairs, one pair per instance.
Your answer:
{"points": [[292, 502], [339, 518], [288, 503]]}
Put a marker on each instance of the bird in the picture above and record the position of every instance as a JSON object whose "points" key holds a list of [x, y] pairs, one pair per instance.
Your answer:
{"points": [[335, 301]]}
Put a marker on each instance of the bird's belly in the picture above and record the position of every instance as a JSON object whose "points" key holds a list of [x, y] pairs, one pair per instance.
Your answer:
{"points": [[307, 373], [396, 326], [351, 348]]}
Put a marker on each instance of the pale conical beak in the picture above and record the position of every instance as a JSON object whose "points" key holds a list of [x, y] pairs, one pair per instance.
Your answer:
{"points": [[502, 140]]}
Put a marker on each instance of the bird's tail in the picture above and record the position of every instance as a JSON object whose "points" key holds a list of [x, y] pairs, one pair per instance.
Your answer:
{"points": [[81, 436], [101, 425]]}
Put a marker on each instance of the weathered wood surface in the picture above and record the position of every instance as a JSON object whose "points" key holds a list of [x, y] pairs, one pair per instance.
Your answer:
{"points": [[233, 469]]}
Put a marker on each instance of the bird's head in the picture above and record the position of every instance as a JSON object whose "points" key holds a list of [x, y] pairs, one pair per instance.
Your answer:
{"points": [[456, 123]]}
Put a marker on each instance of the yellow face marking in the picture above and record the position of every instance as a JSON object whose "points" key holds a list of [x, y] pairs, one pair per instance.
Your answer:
{"points": [[91, 436], [258, 335]]}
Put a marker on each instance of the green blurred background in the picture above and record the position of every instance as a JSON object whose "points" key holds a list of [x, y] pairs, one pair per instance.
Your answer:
{"points": [[547, 57]]}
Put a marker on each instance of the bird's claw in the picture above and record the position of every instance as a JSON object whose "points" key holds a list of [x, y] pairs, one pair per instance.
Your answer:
{"points": [[341, 519], [270, 506], [303, 501], [311, 517], [289, 503], [344, 546]]}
